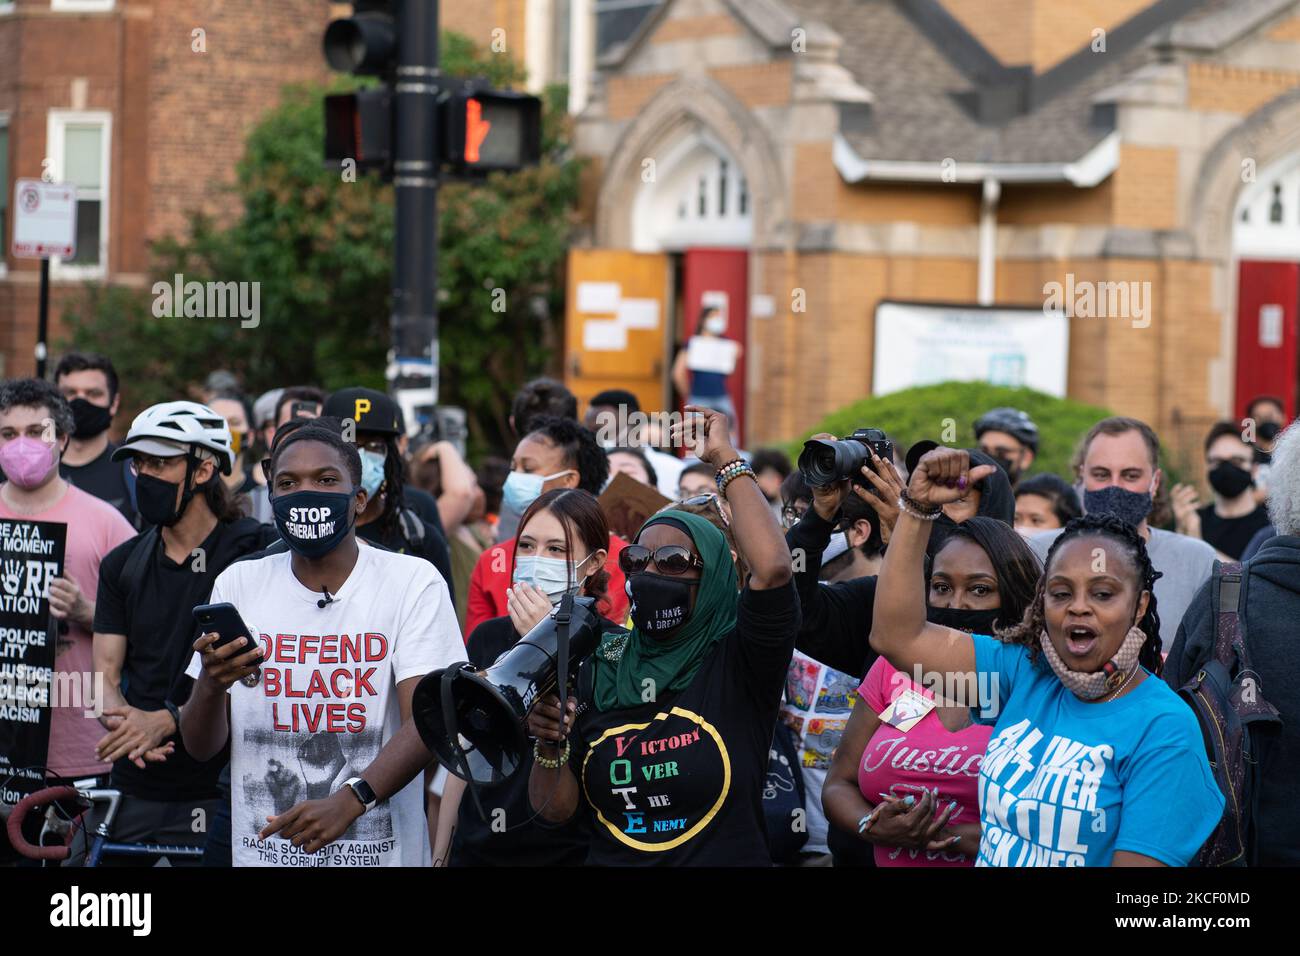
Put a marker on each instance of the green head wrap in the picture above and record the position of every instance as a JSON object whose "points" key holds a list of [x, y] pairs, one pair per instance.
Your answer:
{"points": [[671, 662]]}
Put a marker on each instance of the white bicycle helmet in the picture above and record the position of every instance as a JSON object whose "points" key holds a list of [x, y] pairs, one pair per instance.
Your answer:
{"points": [[169, 429]]}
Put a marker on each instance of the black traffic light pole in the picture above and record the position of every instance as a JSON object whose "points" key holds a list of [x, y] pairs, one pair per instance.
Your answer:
{"points": [[414, 319]]}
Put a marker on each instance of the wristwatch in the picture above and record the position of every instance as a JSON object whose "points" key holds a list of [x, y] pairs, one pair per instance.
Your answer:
{"points": [[363, 792], [175, 712]]}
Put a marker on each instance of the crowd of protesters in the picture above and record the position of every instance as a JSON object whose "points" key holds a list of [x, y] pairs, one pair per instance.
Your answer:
{"points": [[950, 659]]}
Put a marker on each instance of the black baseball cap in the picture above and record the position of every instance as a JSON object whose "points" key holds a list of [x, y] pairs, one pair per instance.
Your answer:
{"points": [[373, 411]]}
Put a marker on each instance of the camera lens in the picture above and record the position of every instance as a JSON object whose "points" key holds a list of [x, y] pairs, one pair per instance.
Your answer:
{"points": [[825, 462]]}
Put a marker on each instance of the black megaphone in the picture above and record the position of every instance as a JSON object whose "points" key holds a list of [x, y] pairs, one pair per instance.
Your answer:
{"points": [[475, 722]]}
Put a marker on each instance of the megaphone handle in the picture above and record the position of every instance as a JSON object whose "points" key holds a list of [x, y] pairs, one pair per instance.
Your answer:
{"points": [[453, 738], [562, 620]]}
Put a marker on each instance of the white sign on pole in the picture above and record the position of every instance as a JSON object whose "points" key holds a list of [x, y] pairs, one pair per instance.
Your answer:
{"points": [[927, 344], [45, 219]]}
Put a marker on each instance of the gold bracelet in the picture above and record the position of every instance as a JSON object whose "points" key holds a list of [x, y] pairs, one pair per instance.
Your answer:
{"points": [[547, 763]]}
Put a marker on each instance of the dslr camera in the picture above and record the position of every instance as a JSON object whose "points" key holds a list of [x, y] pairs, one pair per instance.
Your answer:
{"points": [[824, 462]]}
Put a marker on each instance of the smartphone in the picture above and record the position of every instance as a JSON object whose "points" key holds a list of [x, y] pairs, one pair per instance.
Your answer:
{"points": [[304, 410], [225, 621]]}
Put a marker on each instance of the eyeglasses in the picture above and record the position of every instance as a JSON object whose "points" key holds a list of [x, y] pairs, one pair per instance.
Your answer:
{"points": [[151, 465], [790, 515], [699, 501], [670, 559]]}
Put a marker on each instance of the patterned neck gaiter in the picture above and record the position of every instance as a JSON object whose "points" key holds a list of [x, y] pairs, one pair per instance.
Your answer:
{"points": [[1091, 686]]}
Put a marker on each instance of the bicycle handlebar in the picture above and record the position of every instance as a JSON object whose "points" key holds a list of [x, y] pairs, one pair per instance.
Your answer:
{"points": [[15, 823]]}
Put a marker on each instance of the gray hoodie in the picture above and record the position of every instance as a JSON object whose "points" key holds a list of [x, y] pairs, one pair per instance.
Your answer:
{"points": [[1272, 607]]}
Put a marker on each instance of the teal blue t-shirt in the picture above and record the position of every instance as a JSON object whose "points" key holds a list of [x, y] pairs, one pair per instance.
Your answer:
{"points": [[1068, 783]]}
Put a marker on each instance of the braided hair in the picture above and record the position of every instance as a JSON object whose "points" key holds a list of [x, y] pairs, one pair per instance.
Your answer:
{"points": [[1103, 525]]}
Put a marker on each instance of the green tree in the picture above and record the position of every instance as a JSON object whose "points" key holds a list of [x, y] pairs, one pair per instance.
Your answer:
{"points": [[320, 248]]}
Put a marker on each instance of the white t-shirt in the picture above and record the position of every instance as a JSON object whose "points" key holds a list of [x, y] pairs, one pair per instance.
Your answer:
{"points": [[326, 701]]}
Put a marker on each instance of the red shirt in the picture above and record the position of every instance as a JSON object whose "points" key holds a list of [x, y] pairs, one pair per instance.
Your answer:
{"points": [[495, 571]]}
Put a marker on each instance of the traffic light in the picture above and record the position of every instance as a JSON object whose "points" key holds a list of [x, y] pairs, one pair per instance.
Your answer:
{"points": [[486, 130], [358, 126], [364, 44]]}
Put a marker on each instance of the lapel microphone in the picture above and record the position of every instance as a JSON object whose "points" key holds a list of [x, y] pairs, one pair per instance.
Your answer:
{"points": [[326, 599]]}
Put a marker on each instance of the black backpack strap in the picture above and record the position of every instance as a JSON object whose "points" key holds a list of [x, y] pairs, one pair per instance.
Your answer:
{"points": [[131, 578], [412, 527], [1227, 617], [137, 562]]}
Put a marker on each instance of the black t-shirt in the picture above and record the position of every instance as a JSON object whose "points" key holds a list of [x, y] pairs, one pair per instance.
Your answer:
{"points": [[1231, 535], [429, 544], [836, 628], [532, 843], [156, 617], [424, 505], [106, 480], [679, 781]]}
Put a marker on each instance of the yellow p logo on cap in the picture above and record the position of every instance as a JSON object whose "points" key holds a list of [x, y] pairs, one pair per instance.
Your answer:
{"points": [[362, 405]]}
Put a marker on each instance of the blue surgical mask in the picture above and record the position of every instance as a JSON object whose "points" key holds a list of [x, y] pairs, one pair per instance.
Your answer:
{"points": [[550, 575], [522, 489], [372, 471]]}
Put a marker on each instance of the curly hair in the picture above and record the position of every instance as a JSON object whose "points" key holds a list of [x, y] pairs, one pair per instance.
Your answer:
{"points": [[578, 445], [1027, 632], [38, 393]]}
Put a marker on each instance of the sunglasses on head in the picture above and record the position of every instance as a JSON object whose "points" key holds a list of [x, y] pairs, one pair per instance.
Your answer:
{"points": [[699, 501], [670, 559]]}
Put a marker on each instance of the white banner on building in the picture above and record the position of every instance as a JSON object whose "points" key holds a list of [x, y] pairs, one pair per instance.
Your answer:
{"points": [[924, 344]]}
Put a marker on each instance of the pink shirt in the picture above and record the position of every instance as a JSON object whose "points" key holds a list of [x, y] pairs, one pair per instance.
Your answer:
{"points": [[94, 529], [928, 756]]}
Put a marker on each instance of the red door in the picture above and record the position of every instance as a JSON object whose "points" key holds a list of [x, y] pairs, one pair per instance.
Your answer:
{"points": [[1268, 294], [721, 277]]}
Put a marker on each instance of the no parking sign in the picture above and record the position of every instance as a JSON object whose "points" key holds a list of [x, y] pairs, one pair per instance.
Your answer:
{"points": [[45, 219]]}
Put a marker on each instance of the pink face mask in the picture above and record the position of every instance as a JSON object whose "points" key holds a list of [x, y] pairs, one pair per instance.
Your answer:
{"points": [[27, 461]]}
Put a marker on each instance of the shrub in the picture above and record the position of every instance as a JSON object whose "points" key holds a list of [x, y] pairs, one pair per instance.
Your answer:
{"points": [[947, 412]]}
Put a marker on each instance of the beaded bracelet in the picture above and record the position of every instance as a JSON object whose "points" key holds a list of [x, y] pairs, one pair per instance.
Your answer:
{"points": [[731, 471], [549, 763], [908, 504]]}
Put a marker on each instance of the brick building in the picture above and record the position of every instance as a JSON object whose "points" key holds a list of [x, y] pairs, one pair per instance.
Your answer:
{"points": [[147, 116], [836, 154]]}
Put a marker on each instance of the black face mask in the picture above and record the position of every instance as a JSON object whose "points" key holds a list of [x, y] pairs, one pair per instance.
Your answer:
{"points": [[660, 604], [1268, 430], [970, 621], [1229, 480], [312, 523], [1131, 507], [155, 499], [1007, 465], [89, 419]]}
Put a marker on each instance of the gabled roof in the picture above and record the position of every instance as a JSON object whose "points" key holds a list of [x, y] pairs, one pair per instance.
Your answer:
{"points": [[1220, 23], [939, 95], [771, 20], [936, 93]]}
